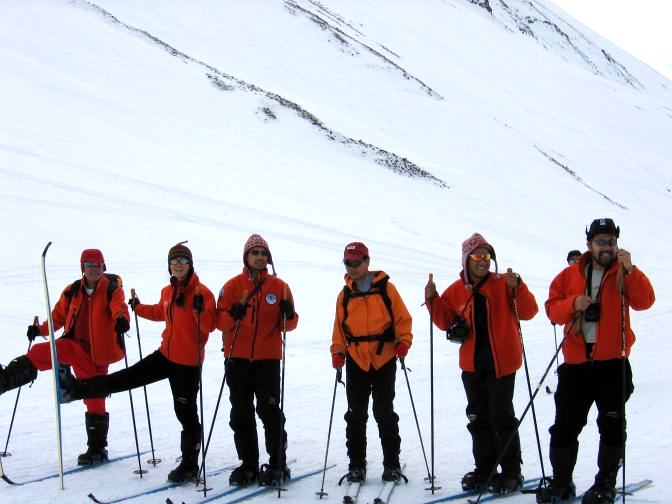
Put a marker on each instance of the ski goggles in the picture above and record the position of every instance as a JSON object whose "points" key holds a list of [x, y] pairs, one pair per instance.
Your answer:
{"points": [[479, 257], [89, 264], [352, 264], [178, 260]]}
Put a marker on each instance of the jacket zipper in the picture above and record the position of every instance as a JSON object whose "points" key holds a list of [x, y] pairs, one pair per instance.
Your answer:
{"points": [[255, 321]]}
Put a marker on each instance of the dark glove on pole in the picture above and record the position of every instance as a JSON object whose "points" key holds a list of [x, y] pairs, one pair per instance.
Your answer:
{"points": [[122, 326], [238, 311], [198, 303]]}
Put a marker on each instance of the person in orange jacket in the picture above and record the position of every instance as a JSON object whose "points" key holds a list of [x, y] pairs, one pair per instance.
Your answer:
{"points": [[591, 299], [93, 313], [478, 311], [253, 310], [185, 305], [372, 328]]}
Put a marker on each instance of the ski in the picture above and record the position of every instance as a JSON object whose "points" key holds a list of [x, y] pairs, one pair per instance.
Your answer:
{"points": [[4, 476], [262, 490], [157, 489], [528, 484], [352, 492], [388, 488], [629, 489], [68, 471], [54, 367]]}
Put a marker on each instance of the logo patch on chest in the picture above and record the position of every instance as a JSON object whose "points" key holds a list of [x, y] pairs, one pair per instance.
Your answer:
{"points": [[271, 299]]}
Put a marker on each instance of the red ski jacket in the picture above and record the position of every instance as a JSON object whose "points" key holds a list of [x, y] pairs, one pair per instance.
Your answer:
{"points": [[103, 339], [258, 335], [457, 300], [180, 338], [571, 283]]}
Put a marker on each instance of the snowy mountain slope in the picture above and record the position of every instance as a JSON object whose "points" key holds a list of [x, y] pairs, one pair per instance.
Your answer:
{"points": [[214, 121]]}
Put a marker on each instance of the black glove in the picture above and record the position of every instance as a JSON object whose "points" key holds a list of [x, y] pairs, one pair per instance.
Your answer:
{"points": [[238, 311], [33, 332], [133, 302], [198, 303], [287, 309], [121, 326]]}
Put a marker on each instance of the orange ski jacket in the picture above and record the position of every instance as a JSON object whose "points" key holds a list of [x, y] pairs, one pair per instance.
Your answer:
{"points": [[105, 343], [571, 283], [258, 335], [180, 338], [457, 300], [368, 315]]}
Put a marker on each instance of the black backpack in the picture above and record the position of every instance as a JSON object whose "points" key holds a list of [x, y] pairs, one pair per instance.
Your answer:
{"points": [[114, 282], [379, 288]]}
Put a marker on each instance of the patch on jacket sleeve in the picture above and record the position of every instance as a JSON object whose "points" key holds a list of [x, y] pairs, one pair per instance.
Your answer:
{"points": [[270, 298]]}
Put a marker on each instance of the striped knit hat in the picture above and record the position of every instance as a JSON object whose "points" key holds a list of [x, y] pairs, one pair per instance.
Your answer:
{"points": [[475, 241], [257, 241]]}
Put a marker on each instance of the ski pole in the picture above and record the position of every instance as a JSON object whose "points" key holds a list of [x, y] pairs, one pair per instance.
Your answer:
{"points": [[5, 453], [140, 470], [557, 363], [243, 300], [281, 427], [200, 393], [153, 461], [417, 424], [339, 373], [431, 388], [520, 421], [529, 388], [623, 380], [54, 367]]}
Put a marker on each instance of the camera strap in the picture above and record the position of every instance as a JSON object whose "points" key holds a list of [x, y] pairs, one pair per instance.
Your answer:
{"points": [[589, 284]]}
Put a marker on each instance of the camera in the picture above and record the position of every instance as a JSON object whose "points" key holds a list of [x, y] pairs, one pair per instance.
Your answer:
{"points": [[458, 332], [592, 313]]}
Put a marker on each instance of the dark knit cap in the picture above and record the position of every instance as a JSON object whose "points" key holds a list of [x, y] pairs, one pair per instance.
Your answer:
{"points": [[180, 250]]}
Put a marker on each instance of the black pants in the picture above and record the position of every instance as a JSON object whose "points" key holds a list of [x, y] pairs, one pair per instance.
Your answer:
{"points": [[260, 379], [492, 420], [579, 385], [183, 384], [379, 384]]}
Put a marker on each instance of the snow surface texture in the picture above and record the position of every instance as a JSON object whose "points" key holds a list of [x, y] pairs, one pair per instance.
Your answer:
{"points": [[406, 125]]}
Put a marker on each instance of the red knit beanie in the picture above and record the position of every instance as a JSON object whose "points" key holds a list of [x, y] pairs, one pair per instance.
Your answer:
{"points": [[257, 241]]}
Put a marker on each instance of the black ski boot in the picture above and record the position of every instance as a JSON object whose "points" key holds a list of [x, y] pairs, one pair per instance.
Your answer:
{"points": [[187, 471], [17, 373], [602, 492], [609, 460], [356, 472], [270, 475], [556, 491], [393, 473], [505, 483], [244, 474], [474, 480], [96, 432], [561, 487]]}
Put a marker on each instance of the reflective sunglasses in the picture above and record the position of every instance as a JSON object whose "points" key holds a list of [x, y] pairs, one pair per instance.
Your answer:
{"points": [[89, 264], [478, 257], [178, 260], [260, 252], [352, 264], [600, 242]]}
